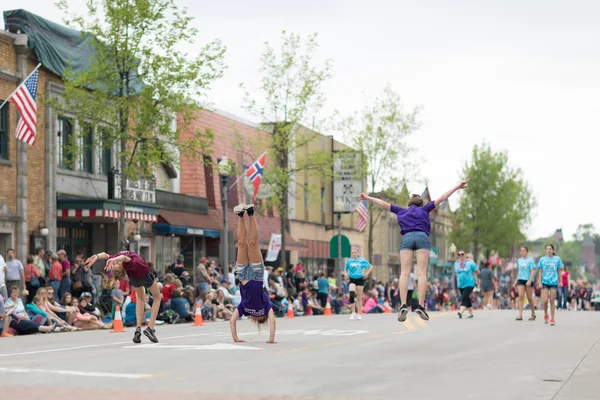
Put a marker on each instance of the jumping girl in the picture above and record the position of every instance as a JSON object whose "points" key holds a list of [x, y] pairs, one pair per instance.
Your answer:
{"points": [[549, 267], [130, 264], [355, 267], [466, 270], [525, 282], [414, 226], [250, 271]]}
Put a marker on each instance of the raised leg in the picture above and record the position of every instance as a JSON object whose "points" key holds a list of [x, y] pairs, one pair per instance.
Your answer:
{"points": [[254, 254], [242, 255]]}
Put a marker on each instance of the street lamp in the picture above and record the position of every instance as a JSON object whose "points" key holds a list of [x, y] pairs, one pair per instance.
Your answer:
{"points": [[224, 171], [338, 208]]}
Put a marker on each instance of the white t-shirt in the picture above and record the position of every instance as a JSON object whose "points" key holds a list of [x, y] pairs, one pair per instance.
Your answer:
{"points": [[411, 281], [2, 277]]}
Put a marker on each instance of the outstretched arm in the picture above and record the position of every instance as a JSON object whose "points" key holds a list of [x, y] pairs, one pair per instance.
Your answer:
{"points": [[450, 192], [272, 326], [232, 325], [374, 200]]}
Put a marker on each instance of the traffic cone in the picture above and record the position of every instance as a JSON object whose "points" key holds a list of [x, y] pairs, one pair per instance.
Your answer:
{"points": [[328, 309], [290, 313], [309, 310], [453, 307], [118, 322], [386, 308], [198, 321]]}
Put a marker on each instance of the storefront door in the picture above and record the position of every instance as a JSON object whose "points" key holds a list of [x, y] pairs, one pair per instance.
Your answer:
{"points": [[74, 238]]}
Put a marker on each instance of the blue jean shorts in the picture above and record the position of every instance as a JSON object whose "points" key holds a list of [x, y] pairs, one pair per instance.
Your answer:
{"points": [[250, 272], [416, 240]]}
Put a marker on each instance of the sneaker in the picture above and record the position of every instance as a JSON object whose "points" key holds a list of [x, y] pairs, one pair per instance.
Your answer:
{"points": [[249, 209], [422, 313], [545, 319], [403, 312], [358, 317], [151, 334], [552, 323], [352, 317], [137, 336], [470, 316], [239, 210], [459, 315]]}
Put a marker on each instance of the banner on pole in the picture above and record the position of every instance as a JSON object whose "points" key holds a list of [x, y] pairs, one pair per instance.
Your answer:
{"points": [[274, 247]]}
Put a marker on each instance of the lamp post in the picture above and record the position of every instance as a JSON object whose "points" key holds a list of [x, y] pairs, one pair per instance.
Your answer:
{"points": [[224, 171], [452, 249], [338, 208]]}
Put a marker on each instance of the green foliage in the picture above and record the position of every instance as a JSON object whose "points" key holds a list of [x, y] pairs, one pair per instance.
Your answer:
{"points": [[571, 251], [140, 90], [496, 208], [290, 92], [379, 132]]}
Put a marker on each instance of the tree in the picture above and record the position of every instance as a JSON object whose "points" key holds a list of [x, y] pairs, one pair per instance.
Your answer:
{"points": [[379, 132], [496, 209], [138, 84], [290, 92]]}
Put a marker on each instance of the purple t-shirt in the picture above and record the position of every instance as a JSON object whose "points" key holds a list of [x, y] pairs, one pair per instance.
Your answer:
{"points": [[255, 302], [414, 218], [66, 267], [137, 267]]}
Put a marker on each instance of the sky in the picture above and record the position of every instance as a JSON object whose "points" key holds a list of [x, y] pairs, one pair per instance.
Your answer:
{"points": [[522, 76]]}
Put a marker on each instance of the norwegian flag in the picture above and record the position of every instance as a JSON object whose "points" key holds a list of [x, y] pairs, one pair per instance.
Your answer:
{"points": [[495, 259], [363, 216], [255, 174], [24, 99]]}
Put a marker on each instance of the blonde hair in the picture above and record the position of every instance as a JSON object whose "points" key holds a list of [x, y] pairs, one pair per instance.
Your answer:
{"points": [[116, 275], [469, 256], [36, 299], [178, 284]]}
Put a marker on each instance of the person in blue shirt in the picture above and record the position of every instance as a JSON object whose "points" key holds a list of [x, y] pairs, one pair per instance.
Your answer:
{"points": [[549, 267], [323, 289], [466, 271], [355, 268], [415, 227], [525, 282]]}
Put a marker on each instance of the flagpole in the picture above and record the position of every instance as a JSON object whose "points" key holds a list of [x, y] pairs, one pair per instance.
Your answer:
{"points": [[242, 175], [24, 80]]}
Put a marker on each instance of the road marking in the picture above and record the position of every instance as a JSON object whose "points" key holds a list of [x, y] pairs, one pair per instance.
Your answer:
{"points": [[400, 332], [409, 325], [76, 373], [419, 321], [215, 346]]}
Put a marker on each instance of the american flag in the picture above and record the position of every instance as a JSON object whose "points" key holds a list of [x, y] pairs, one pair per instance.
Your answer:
{"points": [[255, 174], [24, 99], [363, 215]]}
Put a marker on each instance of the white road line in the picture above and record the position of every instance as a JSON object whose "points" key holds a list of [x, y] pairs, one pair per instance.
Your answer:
{"points": [[215, 346], [76, 373], [91, 346]]}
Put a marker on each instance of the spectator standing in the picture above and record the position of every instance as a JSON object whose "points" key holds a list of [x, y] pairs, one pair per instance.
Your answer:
{"points": [[323, 289], [14, 270], [55, 275], [178, 268], [47, 260], [32, 278], [202, 277], [117, 297], [3, 292], [65, 283], [77, 278], [38, 261]]}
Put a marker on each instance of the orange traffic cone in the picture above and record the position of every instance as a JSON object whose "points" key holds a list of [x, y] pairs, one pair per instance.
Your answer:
{"points": [[328, 309], [453, 307], [198, 320], [386, 308], [290, 313], [309, 310], [118, 322]]}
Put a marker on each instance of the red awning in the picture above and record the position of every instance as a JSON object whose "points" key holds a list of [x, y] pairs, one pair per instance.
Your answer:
{"points": [[111, 214]]}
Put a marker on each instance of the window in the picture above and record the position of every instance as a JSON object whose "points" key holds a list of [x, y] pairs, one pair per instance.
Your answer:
{"points": [[104, 153], [65, 133], [4, 131], [323, 205], [232, 198], [84, 146], [210, 181]]}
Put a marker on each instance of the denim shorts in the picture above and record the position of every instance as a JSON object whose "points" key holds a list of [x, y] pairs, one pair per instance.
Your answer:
{"points": [[250, 272], [416, 240]]}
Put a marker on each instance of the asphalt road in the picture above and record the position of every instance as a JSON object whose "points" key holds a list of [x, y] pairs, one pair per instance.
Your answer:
{"points": [[491, 356]]}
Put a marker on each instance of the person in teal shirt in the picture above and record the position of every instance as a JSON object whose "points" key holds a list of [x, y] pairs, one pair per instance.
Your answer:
{"points": [[466, 270], [549, 267], [355, 267], [525, 281]]}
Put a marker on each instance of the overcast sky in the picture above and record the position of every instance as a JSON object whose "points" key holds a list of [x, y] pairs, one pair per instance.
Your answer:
{"points": [[523, 76]]}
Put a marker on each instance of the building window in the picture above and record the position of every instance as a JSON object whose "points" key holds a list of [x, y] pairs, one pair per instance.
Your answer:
{"points": [[4, 132], [84, 147], [65, 133], [232, 198], [210, 181], [104, 153], [323, 210]]}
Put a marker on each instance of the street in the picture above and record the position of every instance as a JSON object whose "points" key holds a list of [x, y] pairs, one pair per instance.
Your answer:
{"points": [[490, 356]]}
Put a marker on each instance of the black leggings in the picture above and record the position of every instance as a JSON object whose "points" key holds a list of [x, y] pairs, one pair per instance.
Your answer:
{"points": [[465, 296], [24, 326]]}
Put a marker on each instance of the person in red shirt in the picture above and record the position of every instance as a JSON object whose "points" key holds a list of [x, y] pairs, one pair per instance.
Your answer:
{"points": [[168, 287], [563, 291], [55, 275], [130, 264], [31, 271], [124, 286]]}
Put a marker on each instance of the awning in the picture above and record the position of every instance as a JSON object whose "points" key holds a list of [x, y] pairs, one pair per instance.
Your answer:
{"points": [[187, 224], [82, 207]]}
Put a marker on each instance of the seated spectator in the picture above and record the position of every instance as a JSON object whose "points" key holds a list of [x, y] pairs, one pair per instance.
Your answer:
{"points": [[223, 313], [20, 321], [224, 288], [168, 288], [370, 306], [185, 278], [55, 310], [36, 313], [178, 284], [206, 307], [5, 320], [315, 304], [65, 302], [130, 318], [297, 305], [84, 320], [181, 306]]}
